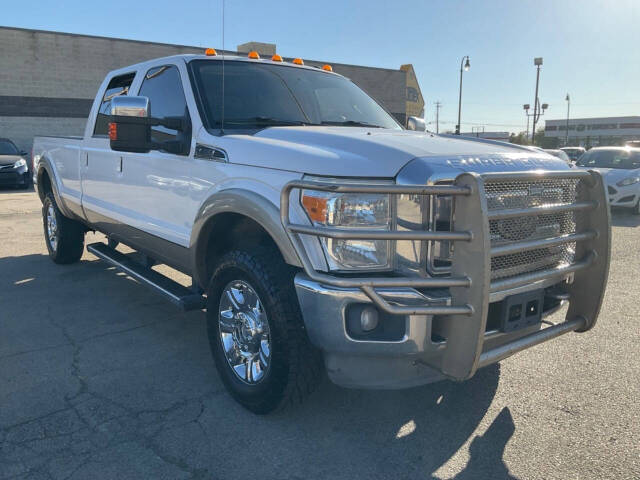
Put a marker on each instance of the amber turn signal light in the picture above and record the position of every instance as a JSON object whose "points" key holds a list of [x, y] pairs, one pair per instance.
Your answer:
{"points": [[327, 68], [113, 131], [298, 61], [276, 58], [210, 52], [316, 208], [253, 54]]}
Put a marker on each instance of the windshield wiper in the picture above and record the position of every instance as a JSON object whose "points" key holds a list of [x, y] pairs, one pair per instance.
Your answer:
{"points": [[262, 122], [350, 123]]}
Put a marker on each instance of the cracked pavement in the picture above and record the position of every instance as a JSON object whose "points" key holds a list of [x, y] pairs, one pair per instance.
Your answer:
{"points": [[101, 378]]}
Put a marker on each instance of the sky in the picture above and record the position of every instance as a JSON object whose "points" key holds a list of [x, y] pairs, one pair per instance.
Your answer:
{"points": [[591, 48]]}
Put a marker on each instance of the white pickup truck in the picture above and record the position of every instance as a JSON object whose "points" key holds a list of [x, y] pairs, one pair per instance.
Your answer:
{"points": [[320, 233]]}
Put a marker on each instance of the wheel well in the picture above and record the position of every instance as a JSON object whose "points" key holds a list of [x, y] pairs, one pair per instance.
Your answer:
{"points": [[44, 184], [225, 232]]}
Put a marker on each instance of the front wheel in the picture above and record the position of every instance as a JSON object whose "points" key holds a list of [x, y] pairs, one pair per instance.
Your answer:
{"points": [[256, 332], [64, 237]]}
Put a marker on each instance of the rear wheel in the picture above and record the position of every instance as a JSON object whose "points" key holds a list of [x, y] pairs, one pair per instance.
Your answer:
{"points": [[256, 332], [64, 237]]}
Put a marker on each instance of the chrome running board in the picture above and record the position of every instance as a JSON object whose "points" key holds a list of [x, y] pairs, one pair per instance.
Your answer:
{"points": [[178, 294]]}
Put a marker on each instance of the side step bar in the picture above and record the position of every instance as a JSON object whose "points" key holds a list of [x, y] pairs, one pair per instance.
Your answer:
{"points": [[176, 293]]}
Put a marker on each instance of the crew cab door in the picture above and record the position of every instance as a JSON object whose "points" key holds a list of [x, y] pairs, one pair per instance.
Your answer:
{"points": [[100, 167], [155, 185]]}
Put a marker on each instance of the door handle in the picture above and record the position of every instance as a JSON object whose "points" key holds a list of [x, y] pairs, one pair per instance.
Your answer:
{"points": [[86, 159], [120, 165]]}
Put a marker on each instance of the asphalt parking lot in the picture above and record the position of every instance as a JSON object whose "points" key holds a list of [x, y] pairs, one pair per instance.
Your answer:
{"points": [[100, 378]]}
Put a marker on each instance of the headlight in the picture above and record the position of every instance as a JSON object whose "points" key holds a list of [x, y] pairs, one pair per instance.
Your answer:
{"points": [[628, 181], [351, 211], [20, 163]]}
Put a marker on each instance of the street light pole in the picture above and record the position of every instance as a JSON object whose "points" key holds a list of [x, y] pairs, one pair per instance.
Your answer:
{"points": [[566, 139], [463, 66], [536, 104]]}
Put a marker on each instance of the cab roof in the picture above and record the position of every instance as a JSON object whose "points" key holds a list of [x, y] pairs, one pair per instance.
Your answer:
{"points": [[189, 57]]}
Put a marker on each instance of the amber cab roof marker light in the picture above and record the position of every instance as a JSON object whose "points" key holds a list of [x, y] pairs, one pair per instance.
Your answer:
{"points": [[253, 54], [276, 58], [298, 61], [327, 68], [210, 52]]}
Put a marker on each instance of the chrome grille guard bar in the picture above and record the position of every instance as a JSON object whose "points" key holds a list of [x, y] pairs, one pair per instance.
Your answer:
{"points": [[470, 278]]}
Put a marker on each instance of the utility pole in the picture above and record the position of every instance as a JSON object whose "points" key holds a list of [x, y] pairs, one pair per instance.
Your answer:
{"points": [[438, 105], [536, 104], [463, 67], [566, 138]]}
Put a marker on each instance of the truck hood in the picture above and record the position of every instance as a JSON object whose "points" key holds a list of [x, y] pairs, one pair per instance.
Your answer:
{"points": [[352, 151]]}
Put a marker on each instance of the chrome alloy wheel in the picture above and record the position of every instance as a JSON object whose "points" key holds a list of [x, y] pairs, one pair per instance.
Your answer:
{"points": [[244, 331], [52, 227]]}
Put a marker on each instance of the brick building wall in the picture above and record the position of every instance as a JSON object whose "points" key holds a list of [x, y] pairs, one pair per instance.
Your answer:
{"points": [[49, 79]]}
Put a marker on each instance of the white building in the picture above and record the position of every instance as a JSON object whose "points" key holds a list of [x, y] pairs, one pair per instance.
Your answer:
{"points": [[589, 132], [501, 136]]}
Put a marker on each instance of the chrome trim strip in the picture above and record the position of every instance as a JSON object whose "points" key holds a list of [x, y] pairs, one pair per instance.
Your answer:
{"points": [[545, 242], [519, 212], [539, 175]]}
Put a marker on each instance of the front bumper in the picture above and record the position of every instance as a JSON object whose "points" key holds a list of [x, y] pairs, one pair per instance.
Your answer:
{"points": [[10, 176], [464, 342], [409, 361], [623, 196]]}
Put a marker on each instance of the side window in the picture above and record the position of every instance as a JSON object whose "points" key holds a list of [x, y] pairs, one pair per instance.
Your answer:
{"points": [[163, 87], [117, 86]]}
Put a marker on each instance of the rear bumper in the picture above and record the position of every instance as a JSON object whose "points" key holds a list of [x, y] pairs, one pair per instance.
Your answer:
{"points": [[450, 335]]}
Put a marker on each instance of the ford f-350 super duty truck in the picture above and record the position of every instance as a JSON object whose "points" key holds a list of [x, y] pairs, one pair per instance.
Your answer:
{"points": [[318, 232]]}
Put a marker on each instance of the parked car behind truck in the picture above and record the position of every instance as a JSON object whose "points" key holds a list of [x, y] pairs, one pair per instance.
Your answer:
{"points": [[620, 168], [14, 170], [320, 233]]}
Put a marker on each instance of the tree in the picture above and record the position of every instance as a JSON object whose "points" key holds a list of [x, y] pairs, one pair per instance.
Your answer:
{"points": [[520, 138], [545, 142]]}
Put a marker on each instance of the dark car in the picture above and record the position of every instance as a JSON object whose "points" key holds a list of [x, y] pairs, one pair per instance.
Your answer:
{"points": [[14, 168]]}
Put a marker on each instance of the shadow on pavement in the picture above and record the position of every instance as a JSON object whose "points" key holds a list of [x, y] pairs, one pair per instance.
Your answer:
{"points": [[622, 217], [139, 375], [10, 189]]}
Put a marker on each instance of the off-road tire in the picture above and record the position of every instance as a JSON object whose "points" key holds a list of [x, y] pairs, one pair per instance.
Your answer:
{"points": [[70, 234], [295, 365]]}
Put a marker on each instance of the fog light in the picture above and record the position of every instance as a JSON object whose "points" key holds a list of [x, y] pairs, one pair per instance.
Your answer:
{"points": [[368, 319]]}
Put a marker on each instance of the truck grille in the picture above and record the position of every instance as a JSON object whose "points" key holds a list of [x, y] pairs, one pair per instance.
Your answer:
{"points": [[507, 195]]}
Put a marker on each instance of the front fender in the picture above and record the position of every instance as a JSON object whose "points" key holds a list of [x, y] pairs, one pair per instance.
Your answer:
{"points": [[242, 202]]}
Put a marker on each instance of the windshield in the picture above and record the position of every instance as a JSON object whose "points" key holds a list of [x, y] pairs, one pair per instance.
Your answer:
{"points": [[261, 94], [623, 159], [8, 148]]}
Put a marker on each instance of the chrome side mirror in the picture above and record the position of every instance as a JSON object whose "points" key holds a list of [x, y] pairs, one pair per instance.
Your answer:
{"points": [[129, 124], [125, 106], [416, 123]]}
